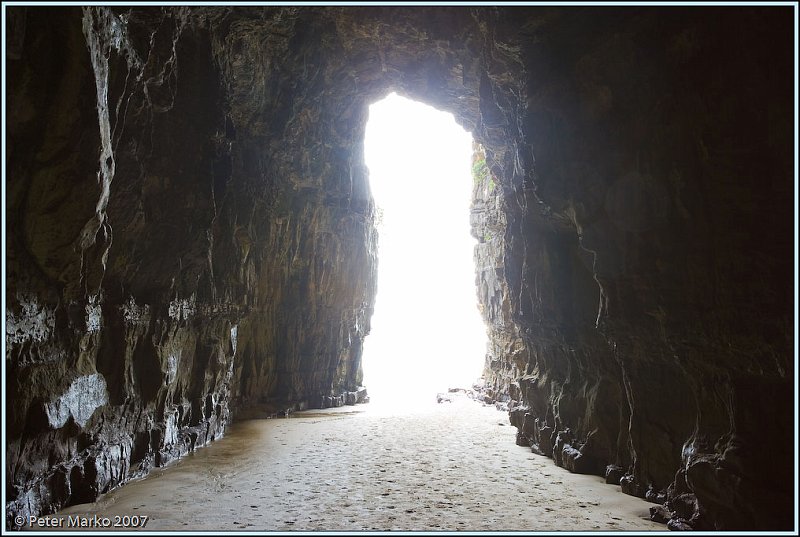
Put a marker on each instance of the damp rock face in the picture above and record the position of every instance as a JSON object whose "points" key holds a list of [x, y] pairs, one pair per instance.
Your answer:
{"points": [[633, 263], [191, 238]]}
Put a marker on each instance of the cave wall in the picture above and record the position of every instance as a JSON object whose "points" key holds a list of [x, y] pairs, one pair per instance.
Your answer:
{"points": [[181, 245], [643, 326], [190, 234]]}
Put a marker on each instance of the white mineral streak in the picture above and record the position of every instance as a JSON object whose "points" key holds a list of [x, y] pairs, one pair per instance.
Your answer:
{"points": [[134, 313], [96, 22], [34, 322], [81, 399], [182, 308], [94, 314]]}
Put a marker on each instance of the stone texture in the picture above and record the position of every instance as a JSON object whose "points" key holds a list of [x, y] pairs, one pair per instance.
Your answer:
{"points": [[641, 317], [171, 262], [190, 233]]}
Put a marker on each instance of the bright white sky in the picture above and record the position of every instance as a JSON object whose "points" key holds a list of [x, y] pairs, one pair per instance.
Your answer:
{"points": [[427, 334]]}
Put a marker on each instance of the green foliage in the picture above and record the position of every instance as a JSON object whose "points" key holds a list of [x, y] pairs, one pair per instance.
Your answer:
{"points": [[479, 170]]}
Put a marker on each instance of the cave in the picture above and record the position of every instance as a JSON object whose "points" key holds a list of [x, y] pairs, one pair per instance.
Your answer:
{"points": [[426, 332], [190, 235]]}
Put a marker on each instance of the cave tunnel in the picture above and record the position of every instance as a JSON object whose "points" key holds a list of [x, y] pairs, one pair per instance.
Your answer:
{"points": [[190, 236], [427, 336]]}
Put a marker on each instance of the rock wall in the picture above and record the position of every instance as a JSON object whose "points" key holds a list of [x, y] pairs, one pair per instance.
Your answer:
{"points": [[181, 247], [641, 321], [190, 234]]}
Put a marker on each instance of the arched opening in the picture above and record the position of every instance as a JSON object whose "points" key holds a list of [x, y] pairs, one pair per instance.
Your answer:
{"points": [[427, 333]]}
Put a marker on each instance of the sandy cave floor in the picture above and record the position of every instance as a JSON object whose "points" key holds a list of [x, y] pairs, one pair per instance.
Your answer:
{"points": [[450, 466]]}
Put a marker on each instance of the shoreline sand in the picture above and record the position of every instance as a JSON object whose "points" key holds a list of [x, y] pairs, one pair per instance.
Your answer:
{"points": [[438, 467]]}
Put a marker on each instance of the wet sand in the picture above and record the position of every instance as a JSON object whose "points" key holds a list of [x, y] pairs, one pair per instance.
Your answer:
{"points": [[449, 466]]}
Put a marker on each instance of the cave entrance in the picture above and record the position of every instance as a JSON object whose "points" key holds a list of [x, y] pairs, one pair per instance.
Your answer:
{"points": [[427, 333]]}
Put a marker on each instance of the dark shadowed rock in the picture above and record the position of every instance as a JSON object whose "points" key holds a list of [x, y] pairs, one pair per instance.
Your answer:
{"points": [[655, 496], [614, 474], [629, 485], [659, 513], [679, 524]]}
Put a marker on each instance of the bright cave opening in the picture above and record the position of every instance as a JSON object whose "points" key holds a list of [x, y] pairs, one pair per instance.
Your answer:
{"points": [[427, 333]]}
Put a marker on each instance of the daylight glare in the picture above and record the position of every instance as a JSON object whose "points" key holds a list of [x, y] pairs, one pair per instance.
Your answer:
{"points": [[427, 334]]}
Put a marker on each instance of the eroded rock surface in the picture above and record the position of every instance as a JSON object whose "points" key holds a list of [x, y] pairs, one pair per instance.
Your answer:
{"points": [[636, 278], [190, 234]]}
